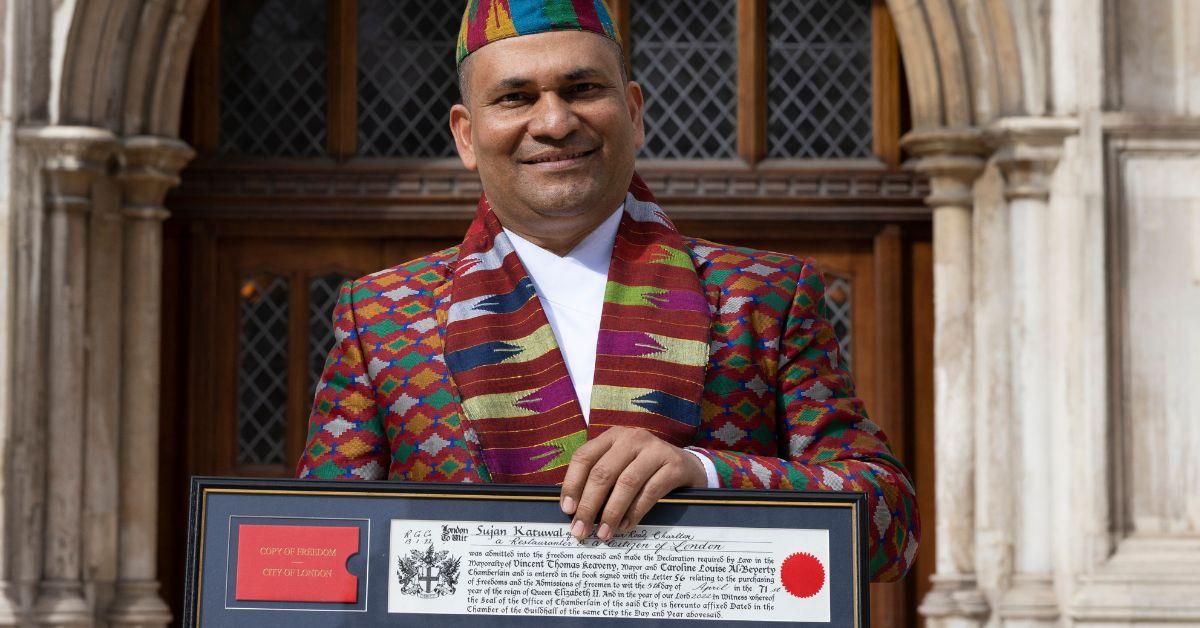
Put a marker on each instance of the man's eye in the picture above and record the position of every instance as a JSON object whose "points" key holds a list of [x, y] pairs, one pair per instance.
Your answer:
{"points": [[514, 97], [583, 88]]}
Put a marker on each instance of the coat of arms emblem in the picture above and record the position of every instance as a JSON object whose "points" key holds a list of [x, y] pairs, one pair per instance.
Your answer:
{"points": [[427, 574]]}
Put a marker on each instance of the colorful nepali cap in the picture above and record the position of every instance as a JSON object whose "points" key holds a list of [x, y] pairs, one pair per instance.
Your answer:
{"points": [[486, 21]]}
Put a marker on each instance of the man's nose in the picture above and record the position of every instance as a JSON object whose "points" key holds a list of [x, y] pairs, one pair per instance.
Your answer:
{"points": [[552, 118]]}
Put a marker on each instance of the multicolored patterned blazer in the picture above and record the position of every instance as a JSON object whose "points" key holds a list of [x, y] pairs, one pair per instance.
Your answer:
{"points": [[445, 370]]}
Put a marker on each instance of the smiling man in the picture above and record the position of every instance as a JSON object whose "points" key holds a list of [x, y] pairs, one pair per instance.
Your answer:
{"points": [[575, 336]]}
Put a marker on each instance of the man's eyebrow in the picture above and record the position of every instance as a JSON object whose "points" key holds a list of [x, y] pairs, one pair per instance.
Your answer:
{"points": [[582, 73], [515, 82], [575, 74]]}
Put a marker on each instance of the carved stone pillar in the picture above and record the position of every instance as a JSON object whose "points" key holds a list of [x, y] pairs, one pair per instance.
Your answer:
{"points": [[1028, 149], [952, 159], [72, 158], [152, 166]]}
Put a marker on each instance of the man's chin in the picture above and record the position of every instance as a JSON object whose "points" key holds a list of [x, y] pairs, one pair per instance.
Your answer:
{"points": [[560, 209], [562, 201]]}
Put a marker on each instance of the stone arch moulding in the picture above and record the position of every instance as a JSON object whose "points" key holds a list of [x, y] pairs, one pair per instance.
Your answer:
{"points": [[970, 62], [122, 64]]}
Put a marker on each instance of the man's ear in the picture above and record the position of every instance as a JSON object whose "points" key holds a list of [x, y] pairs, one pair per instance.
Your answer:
{"points": [[633, 96], [460, 127]]}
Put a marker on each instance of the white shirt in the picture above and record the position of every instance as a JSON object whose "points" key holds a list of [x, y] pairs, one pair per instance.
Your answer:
{"points": [[571, 289]]}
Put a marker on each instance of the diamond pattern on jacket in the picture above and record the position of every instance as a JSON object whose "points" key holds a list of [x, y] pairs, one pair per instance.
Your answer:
{"points": [[400, 398]]}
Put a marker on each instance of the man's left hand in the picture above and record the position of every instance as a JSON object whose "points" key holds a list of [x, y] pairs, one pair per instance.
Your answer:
{"points": [[630, 468]]}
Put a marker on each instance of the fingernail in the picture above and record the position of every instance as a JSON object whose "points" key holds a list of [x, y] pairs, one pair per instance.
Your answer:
{"points": [[568, 505], [605, 532], [577, 529], [624, 525]]}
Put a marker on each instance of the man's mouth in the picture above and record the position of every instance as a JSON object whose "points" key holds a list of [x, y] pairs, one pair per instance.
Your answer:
{"points": [[558, 157]]}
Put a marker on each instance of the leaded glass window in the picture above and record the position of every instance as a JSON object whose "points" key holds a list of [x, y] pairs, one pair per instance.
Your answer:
{"points": [[262, 369], [274, 81], [684, 55], [322, 297], [840, 306], [273, 88], [819, 85], [406, 77]]}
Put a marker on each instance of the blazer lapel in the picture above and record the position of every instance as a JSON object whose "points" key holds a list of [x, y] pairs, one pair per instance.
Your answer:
{"points": [[502, 356], [652, 350]]}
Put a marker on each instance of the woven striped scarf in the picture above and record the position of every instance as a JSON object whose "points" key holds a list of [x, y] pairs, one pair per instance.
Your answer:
{"points": [[515, 388]]}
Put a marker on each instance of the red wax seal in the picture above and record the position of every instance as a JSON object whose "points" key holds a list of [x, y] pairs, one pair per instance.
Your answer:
{"points": [[802, 575]]}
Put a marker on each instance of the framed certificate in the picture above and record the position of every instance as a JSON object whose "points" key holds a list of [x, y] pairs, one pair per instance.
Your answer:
{"points": [[300, 553]]}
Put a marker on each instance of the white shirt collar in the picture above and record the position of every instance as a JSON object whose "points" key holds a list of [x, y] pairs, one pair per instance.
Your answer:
{"points": [[574, 278], [571, 290]]}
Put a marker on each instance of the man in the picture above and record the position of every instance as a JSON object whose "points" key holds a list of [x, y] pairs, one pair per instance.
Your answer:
{"points": [[575, 336]]}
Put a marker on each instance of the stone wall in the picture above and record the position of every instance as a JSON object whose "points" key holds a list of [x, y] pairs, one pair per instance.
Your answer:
{"points": [[1084, 308]]}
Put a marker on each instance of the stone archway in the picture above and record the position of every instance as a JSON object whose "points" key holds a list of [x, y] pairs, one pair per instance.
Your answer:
{"points": [[96, 149], [978, 80], [97, 89], [964, 70]]}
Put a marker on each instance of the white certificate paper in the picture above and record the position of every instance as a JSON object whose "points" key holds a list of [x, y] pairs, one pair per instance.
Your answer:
{"points": [[669, 572]]}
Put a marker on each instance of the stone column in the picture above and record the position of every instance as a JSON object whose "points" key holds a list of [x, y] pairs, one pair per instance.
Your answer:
{"points": [[103, 404], [952, 159], [152, 166], [72, 158], [1028, 150]]}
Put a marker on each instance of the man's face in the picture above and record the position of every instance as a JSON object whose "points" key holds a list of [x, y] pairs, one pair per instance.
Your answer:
{"points": [[551, 127]]}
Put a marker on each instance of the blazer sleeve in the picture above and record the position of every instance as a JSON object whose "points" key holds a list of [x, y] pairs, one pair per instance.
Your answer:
{"points": [[826, 440], [345, 431]]}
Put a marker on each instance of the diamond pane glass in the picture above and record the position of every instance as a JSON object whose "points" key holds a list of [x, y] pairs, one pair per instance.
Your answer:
{"points": [[273, 78], [819, 85], [262, 369], [684, 55], [406, 77], [839, 300], [322, 296]]}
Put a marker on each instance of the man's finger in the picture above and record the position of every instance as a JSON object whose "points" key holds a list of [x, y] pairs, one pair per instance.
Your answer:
{"points": [[662, 482], [626, 488], [599, 483], [578, 470]]}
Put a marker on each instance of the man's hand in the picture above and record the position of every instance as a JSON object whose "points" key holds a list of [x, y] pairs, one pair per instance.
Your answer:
{"points": [[630, 468]]}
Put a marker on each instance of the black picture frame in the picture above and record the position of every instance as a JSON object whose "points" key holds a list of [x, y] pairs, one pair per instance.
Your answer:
{"points": [[223, 499]]}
